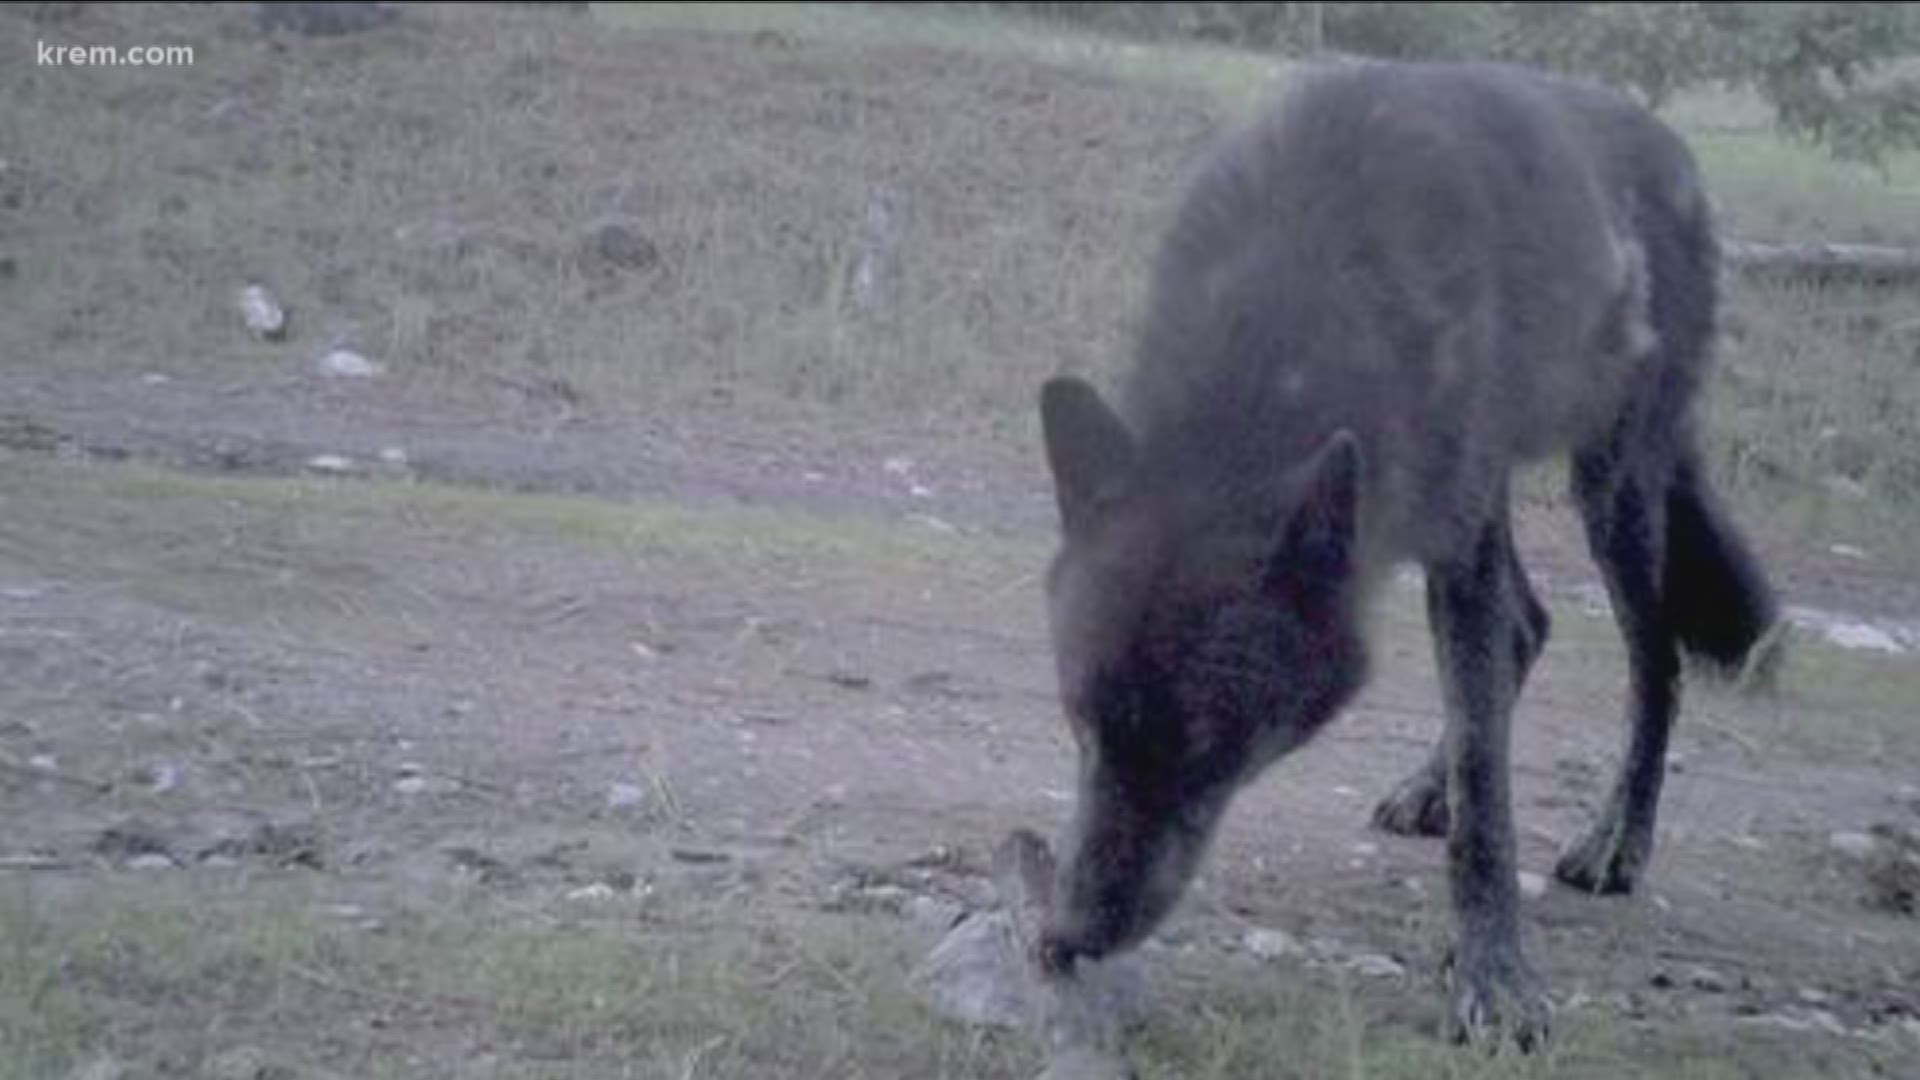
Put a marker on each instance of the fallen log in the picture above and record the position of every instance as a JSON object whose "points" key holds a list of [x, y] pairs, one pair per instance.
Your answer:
{"points": [[1866, 262]]}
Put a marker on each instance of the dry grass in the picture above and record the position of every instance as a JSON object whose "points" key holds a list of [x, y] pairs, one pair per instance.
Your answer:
{"points": [[837, 224]]}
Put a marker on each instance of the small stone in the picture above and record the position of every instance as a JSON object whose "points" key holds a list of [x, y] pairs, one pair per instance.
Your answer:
{"points": [[1812, 996], [623, 796], [152, 860], [1366, 849], [933, 914], [345, 363], [598, 892], [1861, 636], [891, 897], [977, 975], [1857, 845], [1848, 551], [161, 778], [1707, 980], [1375, 966], [1533, 885], [1846, 487], [411, 785], [264, 316], [44, 762], [335, 464], [1266, 944], [394, 455], [1827, 1022]]}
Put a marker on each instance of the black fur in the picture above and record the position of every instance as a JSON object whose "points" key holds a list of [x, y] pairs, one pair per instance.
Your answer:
{"points": [[1372, 305]]}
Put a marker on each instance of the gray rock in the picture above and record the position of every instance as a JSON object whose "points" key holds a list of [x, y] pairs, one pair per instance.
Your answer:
{"points": [[933, 914], [1375, 966], [981, 972], [266, 319], [347, 364], [1533, 885], [1707, 980], [977, 974], [1266, 944], [331, 464], [1856, 845]]}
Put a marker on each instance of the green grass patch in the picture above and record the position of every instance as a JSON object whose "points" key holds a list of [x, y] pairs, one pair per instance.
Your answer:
{"points": [[179, 973]]}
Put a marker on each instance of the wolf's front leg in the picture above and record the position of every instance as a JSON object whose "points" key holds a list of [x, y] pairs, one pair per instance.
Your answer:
{"points": [[1473, 607]]}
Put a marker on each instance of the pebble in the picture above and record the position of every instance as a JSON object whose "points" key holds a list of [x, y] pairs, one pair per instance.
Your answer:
{"points": [[1707, 980], [345, 363], [1858, 845], [1533, 885], [330, 463], [264, 316], [1272, 944], [152, 860], [1375, 966], [623, 796]]}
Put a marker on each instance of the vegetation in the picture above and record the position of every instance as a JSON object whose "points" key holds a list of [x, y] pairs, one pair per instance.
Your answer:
{"points": [[1821, 67]]}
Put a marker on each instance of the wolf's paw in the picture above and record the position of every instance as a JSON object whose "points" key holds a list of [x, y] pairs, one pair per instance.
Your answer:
{"points": [[1494, 997], [1418, 807], [1607, 862]]}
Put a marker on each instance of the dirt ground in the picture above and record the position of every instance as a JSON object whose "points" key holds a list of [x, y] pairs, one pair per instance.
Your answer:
{"points": [[785, 660]]}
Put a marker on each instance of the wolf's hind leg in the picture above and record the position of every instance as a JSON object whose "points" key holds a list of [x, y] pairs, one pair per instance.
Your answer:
{"points": [[1418, 805]]}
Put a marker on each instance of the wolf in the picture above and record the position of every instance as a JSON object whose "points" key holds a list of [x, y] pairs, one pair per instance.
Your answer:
{"points": [[1372, 305]]}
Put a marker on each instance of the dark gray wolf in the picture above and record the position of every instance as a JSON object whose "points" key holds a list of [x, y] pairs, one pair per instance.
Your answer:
{"points": [[1370, 307]]}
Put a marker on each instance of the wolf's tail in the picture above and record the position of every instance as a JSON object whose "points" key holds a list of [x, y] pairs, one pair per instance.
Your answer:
{"points": [[1720, 604]]}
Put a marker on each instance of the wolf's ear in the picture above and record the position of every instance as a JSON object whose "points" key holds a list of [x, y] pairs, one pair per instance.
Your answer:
{"points": [[1317, 545], [1089, 449]]}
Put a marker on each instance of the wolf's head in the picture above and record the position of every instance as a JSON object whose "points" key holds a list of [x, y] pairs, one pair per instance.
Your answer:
{"points": [[1200, 632]]}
